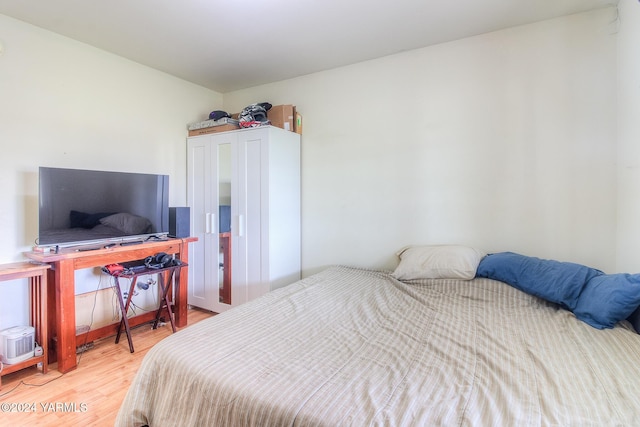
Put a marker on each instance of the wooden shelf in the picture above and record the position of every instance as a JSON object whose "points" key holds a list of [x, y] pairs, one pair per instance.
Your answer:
{"points": [[8, 369], [37, 275]]}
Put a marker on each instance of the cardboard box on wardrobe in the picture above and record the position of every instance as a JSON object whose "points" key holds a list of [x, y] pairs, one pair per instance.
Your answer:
{"points": [[283, 116]]}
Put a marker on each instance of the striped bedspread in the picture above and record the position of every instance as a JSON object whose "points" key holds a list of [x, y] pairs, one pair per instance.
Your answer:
{"points": [[351, 347]]}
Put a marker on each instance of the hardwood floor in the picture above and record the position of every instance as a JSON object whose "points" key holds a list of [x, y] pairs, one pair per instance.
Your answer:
{"points": [[90, 395]]}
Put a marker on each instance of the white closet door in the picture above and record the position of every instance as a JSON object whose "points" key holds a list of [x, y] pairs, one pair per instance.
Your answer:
{"points": [[255, 253], [211, 165], [202, 284], [248, 241]]}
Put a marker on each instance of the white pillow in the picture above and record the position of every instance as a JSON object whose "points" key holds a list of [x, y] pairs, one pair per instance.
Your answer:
{"points": [[438, 262]]}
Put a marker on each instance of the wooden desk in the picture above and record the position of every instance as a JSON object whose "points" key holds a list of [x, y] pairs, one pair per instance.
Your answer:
{"points": [[61, 298], [36, 273]]}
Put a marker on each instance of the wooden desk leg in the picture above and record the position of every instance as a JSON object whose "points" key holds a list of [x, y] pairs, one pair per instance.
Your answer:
{"points": [[182, 290], [65, 315]]}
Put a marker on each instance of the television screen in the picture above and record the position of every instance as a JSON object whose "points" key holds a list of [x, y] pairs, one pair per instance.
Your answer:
{"points": [[80, 206]]}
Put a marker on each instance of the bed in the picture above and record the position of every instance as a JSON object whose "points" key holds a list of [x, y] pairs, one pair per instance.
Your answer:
{"points": [[350, 346]]}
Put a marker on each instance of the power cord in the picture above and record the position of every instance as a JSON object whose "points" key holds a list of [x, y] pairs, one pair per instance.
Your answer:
{"points": [[31, 384], [133, 307], [83, 347], [115, 304]]}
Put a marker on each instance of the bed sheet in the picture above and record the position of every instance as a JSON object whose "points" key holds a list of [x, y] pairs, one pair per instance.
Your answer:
{"points": [[359, 348]]}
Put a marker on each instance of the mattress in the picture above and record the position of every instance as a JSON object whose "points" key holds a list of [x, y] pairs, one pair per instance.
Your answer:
{"points": [[356, 347]]}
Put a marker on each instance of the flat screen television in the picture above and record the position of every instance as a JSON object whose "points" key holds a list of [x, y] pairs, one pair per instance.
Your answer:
{"points": [[85, 206]]}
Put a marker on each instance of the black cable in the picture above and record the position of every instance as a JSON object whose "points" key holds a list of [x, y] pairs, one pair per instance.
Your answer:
{"points": [[93, 309]]}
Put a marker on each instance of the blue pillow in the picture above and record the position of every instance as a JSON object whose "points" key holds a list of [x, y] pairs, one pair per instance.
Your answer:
{"points": [[555, 281], [76, 219], [608, 298]]}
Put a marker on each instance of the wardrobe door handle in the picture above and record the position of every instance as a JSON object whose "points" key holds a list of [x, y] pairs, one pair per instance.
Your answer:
{"points": [[241, 225], [207, 223]]}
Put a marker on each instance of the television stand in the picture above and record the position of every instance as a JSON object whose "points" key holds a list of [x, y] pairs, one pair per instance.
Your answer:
{"points": [[61, 295]]}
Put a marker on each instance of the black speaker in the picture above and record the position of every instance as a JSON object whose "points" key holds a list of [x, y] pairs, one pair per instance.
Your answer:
{"points": [[179, 225]]}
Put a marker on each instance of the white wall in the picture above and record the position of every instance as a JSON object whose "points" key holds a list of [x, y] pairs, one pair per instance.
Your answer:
{"points": [[505, 141], [66, 104], [629, 137]]}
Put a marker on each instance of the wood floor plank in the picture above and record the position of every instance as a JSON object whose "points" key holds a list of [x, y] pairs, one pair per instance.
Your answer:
{"points": [[90, 395]]}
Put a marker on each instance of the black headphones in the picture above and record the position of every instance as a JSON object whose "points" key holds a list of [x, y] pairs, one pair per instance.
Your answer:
{"points": [[160, 260]]}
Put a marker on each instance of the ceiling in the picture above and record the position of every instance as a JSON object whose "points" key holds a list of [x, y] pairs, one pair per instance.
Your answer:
{"points": [[236, 44]]}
